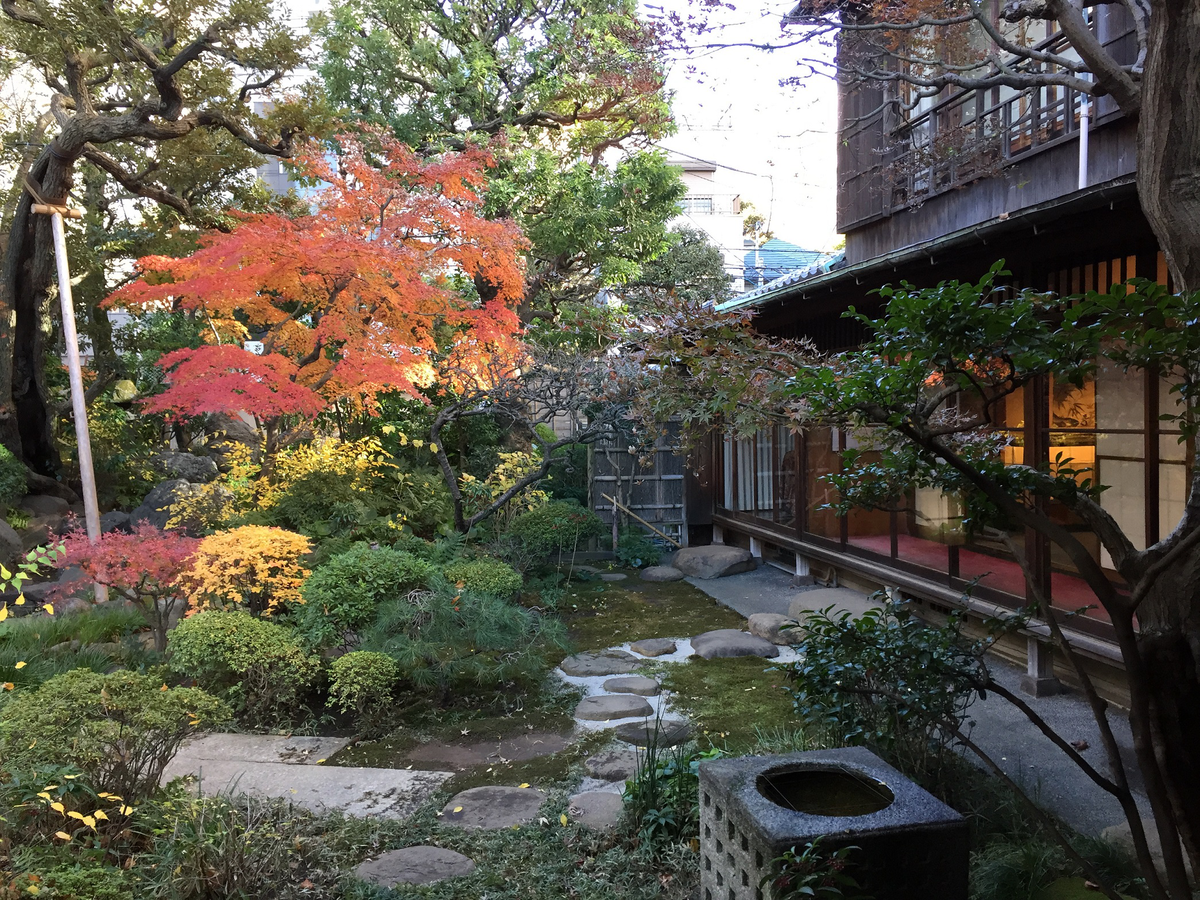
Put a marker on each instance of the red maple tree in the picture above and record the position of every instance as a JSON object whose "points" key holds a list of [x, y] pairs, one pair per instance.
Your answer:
{"points": [[394, 269]]}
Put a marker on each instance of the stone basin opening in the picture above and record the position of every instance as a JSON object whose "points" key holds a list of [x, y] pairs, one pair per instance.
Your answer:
{"points": [[824, 791]]}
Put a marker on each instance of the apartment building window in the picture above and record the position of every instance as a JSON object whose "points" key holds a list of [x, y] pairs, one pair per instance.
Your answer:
{"points": [[698, 206]]}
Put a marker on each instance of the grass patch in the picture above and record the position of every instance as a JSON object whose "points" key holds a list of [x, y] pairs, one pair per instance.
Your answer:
{"points": [[603, 614], [98, 639], [732, 702]]}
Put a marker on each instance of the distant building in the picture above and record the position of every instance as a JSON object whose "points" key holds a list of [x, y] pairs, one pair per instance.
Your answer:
{"points": [[775, 259], [715, 208]]}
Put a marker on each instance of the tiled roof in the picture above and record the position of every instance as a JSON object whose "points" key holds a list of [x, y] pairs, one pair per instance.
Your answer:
{"points": [[774, 259], [820, 264]]}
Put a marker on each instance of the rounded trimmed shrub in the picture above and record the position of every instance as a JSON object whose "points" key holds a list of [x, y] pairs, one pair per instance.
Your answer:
{"points": [[120, 730], [362, 682], [258, 666], [555, 527], [343, 594], [484, 575], [12, 479]]}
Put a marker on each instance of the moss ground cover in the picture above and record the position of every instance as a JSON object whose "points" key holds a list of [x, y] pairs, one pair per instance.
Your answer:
{"points": [[602, 614]]}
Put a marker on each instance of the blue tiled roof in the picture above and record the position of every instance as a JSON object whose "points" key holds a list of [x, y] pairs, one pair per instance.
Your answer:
{"points": [[774, 259], [821, 263]]}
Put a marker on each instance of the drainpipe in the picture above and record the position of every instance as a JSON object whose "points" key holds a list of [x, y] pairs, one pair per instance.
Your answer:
{"points": [[1085, 121]]}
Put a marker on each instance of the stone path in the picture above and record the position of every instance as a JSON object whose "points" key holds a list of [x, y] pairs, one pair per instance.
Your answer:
{"points": [[286, 768]]}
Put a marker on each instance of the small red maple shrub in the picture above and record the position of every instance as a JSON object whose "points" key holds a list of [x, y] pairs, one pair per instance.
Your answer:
{"points": [[143, 567], [394, 271]]}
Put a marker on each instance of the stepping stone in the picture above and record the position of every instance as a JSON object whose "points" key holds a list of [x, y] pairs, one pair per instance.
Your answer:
{"points": [[633, 684], [613, 576], [588, 571], [415, 865], [653, 647], [600, 662], [770, 627], [612, 765], [670, 732], [596, 809], [726, 643], [714, 561], [661, 573], [606, 707], [490, 807]]}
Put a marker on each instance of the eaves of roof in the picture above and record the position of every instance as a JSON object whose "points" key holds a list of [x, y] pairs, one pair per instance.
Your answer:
{"points": [[804, 282]]}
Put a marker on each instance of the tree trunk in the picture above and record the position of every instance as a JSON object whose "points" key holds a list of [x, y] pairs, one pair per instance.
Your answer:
{"points": [[1168, 645], [25, 301], [1169, 137]]}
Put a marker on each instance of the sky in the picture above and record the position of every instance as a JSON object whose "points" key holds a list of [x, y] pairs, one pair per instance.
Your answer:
{"points": [[732, 110]]}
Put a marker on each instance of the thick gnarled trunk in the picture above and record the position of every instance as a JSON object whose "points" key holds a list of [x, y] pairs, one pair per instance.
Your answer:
{"points": [[1169, 136]]}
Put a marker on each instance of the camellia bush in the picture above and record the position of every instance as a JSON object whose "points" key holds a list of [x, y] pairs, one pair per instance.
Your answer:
{"points": [[254, 567]]}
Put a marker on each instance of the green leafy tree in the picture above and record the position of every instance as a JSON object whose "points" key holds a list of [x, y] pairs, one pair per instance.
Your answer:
{"points": [[124, 82], [928, 385], [553, 85]]}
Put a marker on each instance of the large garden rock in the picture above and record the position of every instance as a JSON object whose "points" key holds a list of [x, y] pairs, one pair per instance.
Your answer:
{"points": [[156, 506], [415, 865], [45, 505], [773, 627], [714, 561], [600, 662], [664, 732], [661, 574], [633, 684], [188, 466], [596, 809], [606, 707], [612, 765], [726, 643], [41, 530], [653, 647], [117, 520], [10, 543], [226, 434], [485, 808]]}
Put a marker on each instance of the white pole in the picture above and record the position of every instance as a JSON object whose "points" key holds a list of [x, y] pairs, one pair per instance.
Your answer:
{"points": [[91, 508], [1085, 120]]}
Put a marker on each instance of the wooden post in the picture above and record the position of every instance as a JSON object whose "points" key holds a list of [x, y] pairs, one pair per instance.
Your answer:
{"points": [[87, 474]]}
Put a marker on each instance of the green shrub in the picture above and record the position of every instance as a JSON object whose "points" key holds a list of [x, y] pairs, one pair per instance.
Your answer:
{"points": [[484, 575], [361, 682], [258, 666], [636, 550], [343, 594], [555, 527], [444, 639], [12, 478], [91, 881], [120, 730], [96, 638]]}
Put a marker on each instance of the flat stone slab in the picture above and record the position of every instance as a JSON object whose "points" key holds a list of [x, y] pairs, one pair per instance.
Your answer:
{"points": [[415, 865], [653, 647], [633, 684], [600, 662], [770, 627], [713, 561], [493, 806], [383, 793], [612, 765], [606, 707], [667, 733], [263, 748], [841, 599], [727, 643], [662, 573], [613, 576], [600, 810], [461, 756]]}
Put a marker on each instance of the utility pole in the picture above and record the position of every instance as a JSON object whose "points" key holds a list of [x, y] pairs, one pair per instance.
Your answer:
{"points": [[87, 475]]}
